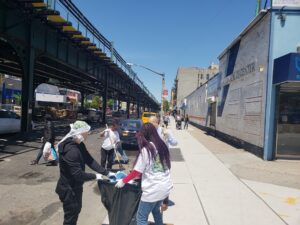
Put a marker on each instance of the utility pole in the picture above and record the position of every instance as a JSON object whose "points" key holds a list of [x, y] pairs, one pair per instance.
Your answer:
{"points": [[163, 85]]}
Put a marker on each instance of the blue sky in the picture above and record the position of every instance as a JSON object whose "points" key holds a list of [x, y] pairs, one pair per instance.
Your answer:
{"points": [[167, 34]]}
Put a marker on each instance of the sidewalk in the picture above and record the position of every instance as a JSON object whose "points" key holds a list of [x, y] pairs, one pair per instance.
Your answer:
{"points": [[206, 192]]}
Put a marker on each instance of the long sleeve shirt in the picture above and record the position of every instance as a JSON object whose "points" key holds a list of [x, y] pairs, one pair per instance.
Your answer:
{"points": [[167, 136]]}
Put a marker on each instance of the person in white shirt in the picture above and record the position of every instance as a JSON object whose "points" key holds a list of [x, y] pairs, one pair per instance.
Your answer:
{"points": [[107, 150], [153, 164], [165, 134]]}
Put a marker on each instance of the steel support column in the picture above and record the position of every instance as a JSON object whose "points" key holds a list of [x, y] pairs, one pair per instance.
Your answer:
{"points": [[2, 16], [104, 97], [128, 109], [27, 84], [138, 108], [82, 100]]}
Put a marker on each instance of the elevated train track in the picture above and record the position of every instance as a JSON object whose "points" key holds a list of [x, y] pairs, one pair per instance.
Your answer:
{"points": [[44, 40]]}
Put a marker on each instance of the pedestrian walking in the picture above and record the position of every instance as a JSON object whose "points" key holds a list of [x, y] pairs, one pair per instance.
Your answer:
{"points": [[165, 134], [166, 120], [112, 138], [178, 122], [153, 164], [186, 121], [73, 156], [49, 136]]}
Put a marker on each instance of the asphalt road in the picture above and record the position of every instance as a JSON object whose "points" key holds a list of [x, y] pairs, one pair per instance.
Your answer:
{"points": [[27, 191]]}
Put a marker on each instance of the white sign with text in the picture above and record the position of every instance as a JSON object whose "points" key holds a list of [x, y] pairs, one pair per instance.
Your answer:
{"points": [[286, 3]]}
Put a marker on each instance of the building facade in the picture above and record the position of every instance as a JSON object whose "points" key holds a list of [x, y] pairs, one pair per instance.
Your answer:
{"points": [[255, 99], [189, 79]]}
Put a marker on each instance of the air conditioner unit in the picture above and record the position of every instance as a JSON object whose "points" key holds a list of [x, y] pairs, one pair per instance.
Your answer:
{"points": [[211, 99]]}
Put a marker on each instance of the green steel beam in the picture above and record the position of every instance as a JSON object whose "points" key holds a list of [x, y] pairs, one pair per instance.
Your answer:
{"points": [[27, 84]]}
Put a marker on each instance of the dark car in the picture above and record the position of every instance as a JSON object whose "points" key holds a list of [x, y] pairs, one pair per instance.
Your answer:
{"points": [[116, 114], [128, 130]]}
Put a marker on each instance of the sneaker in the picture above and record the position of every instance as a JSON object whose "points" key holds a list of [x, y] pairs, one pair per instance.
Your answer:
{"points": [[52, 163]]}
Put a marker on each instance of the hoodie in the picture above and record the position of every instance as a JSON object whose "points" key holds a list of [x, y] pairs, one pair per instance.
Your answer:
{"points": [[72, 160]]}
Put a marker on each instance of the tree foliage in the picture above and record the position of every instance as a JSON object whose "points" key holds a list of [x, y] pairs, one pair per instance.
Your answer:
{"points": [[110, 103], [18, 98], [95, 102], [166, 106]]}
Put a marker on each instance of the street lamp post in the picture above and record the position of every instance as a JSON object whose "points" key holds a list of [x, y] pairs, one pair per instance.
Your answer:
{"points": [[163, 85]]}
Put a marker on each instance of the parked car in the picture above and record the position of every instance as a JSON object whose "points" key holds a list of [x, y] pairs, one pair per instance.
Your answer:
{"points": [[94, 115], [90, 115], [10, 122], [128, 130], [147, 115], [116, 114]]}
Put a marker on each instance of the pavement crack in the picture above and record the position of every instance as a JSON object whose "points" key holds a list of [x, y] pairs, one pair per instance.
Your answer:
{"points": [[202, 206]]}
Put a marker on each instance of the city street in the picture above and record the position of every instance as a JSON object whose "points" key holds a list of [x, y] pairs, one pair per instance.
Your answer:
{"points": [[227, 71], [208, 176], [27, 191]]}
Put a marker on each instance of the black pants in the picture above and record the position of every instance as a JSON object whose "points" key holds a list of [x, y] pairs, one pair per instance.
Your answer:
{"points": [[166, 123], [107, 155], [72, 204]]}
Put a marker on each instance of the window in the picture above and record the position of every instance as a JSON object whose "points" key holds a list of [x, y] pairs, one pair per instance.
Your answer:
{"points": [[233, 52], [207, 76], [201, 76]]}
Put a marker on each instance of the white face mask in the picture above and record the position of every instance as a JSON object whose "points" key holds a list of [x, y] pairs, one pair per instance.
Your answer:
{"points": [[80, 138]]}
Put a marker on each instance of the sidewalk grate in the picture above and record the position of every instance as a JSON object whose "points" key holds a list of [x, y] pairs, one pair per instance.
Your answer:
{"points": [[176, 155]]}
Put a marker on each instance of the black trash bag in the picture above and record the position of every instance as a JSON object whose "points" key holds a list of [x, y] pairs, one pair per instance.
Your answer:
{"points": [[120, 203]]}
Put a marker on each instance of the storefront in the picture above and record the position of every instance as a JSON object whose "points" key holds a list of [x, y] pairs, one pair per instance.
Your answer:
{"points": [[287, 83]]}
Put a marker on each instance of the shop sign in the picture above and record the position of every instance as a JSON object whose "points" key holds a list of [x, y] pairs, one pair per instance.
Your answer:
{"points": [[286, 3], [238, 74], [165, 93], [287, 68]]}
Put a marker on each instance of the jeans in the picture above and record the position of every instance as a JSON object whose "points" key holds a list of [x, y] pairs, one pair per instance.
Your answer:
{"points": [[145, 208], [122, 153], [40, 153]]}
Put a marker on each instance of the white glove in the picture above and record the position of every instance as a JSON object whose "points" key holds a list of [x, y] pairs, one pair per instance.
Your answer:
{"points": [[111, 174], [104, 131], [120, 184], [99, 176]]}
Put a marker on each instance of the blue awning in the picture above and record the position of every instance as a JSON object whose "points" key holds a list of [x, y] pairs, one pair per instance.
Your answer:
{"points": [[287, 68]]}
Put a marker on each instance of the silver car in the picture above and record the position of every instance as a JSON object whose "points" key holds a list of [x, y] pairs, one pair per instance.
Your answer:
{"points": [[10, 122]]}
